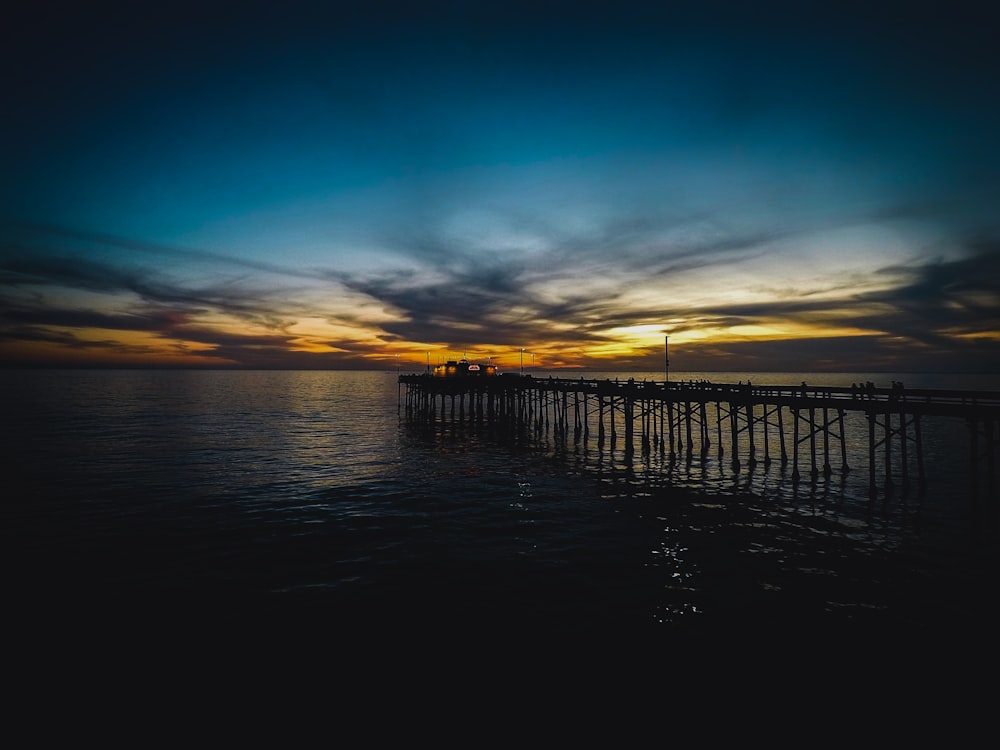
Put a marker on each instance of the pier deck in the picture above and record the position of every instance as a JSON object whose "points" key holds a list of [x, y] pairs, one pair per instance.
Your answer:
{"points": [[801, 424]]}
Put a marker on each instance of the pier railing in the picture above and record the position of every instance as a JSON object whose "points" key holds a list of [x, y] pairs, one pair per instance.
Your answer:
{"points": [[801, 425]]}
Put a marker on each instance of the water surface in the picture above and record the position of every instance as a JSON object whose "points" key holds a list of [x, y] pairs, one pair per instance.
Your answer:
{"points": [[315, 487]]}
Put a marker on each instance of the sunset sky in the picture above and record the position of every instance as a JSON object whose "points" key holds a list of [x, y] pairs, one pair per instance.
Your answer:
{"points": [[298, 185]]}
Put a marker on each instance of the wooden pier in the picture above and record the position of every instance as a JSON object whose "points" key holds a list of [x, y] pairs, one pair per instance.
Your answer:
{"points": [[804, 427]]}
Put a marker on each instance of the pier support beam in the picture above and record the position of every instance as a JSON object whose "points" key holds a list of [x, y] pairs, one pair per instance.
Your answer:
{"points": [[669, 414]]}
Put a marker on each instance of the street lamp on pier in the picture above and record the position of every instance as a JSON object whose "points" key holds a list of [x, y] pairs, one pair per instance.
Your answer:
{"points": [[666, 360]]}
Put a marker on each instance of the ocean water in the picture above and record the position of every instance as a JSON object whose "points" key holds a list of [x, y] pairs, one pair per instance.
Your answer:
{"points": [[318, 491]]}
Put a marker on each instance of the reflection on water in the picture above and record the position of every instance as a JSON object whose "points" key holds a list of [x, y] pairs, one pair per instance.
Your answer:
{"points": [[315, 483]]}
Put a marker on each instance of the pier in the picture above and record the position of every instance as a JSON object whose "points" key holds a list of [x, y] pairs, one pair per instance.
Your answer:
{"points": [[807, 429]]}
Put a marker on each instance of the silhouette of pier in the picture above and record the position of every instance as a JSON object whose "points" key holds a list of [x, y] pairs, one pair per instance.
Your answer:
{"points": [[802, 426]]}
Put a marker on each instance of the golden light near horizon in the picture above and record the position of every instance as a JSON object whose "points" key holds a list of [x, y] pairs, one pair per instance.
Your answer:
{"points": [[140, 342], [631, 339], [776, 331], [315, 335], [976, 335], [625, 342], [114, 348]]}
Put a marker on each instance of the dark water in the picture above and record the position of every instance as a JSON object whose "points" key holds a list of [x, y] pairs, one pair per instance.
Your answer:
{"points": [[312, 490]]}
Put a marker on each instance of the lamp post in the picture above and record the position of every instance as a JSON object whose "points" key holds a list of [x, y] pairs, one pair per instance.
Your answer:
{"points": [[532, 364], [666, 360], [522, 360]]}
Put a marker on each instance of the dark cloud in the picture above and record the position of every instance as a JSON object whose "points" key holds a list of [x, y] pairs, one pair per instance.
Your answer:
{"points": [[67, 340], [941, 299], [44, 239], [858, 354], [48, 269], [494, 297], [157, 305], [152, 320], [72, 272], [490, 300]]}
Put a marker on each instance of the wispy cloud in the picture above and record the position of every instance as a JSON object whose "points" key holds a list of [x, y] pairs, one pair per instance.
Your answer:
{"points": [[566, 292]]}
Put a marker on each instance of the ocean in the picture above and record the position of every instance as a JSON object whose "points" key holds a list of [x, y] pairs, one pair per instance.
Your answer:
{"points": [[315, 491]]}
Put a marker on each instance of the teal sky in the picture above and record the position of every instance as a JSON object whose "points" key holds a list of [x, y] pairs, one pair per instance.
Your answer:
{"points": [[776, 187]]}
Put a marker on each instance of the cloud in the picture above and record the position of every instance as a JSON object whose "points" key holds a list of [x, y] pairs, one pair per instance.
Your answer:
{"points": [[150, 320], [93, 298], [571, 292], [944, 299], [32, 238]]}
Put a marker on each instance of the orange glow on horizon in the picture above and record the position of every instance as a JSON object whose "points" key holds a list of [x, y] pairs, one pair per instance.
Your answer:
{"points": [[322, 343], [57, 355]]}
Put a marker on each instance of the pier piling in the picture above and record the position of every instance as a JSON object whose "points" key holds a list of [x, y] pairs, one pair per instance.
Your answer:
{"points": [[676, 418]]}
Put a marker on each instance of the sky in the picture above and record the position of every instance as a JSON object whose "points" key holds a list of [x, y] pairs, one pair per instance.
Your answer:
{"points": [[768, 187]]}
